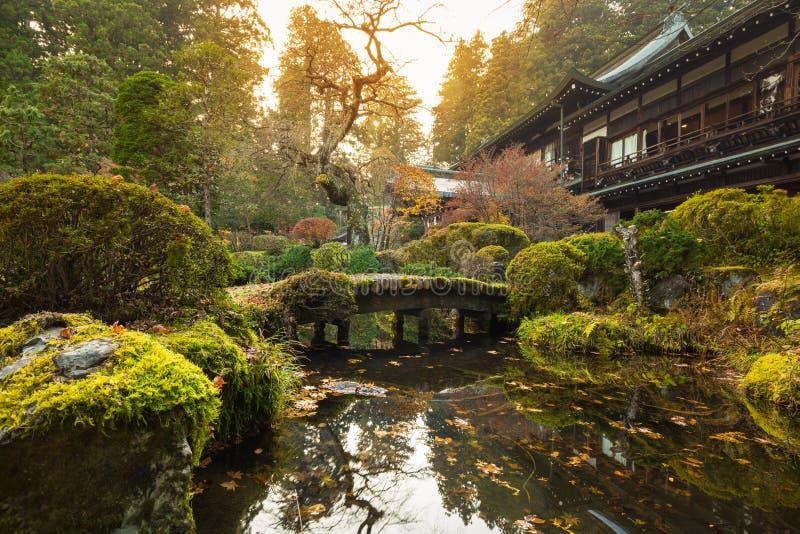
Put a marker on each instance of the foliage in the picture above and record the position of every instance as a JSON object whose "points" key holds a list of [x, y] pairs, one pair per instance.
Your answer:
{"points": [[605, 263], [363, 260], [428, 269], [256, 384], [271, 244], [250, 267], [495, 253], [145, 383], [519, 189], [25, 134], [739, 228], [543, 278], [295, 260], [416, 190], [773, 378], [331, 257], [576, 333], [474, 265], [314, 230], [117, 249], [316, 296]]}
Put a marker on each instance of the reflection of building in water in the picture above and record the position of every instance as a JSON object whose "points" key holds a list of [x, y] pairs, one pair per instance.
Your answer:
{"points": [[677, 113], [609, 449]]}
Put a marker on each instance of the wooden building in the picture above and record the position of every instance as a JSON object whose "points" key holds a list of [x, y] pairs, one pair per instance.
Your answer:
{"points": [[678, 113]]}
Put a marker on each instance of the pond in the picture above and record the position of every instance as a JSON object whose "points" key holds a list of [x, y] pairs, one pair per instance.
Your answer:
{"points": [[469, 438]]}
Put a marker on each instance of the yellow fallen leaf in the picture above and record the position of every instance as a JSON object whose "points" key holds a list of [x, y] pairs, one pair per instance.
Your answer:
{"points": [[258, 451], [235, 474], [230, 485], [314, 509]]}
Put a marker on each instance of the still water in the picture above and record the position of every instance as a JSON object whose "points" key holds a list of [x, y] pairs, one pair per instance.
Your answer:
{"points": [[470, 438]]}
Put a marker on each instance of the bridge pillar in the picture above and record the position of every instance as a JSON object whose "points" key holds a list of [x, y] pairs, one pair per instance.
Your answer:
{"points": [[319, 334], [399, 320], [423, 328], [494, 325], [459, 332], [343, 333]]}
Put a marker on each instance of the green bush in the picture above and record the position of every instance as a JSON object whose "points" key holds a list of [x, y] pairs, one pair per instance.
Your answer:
{"points": [[250, 267], [448, 245], [117, 249], [740, 228], [605, 263], [331, 257], [775, 378], [428, 269], [316, 296], [363, 260], [543, 278], [273, 245], [255, 386], [495, 253], [295, 260], [667, 250]]}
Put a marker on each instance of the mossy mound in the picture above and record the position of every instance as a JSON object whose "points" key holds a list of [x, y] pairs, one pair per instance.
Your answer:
{"points": [[604, 276], [331, 257], [543, 278], [775, 378], [316, 296], [495, 253], [271, 244], [254, 385], [139, 382], [119, 250]]}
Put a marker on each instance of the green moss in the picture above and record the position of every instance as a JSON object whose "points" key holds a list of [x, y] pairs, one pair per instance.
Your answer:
{"points": [[778, 423], [13, 337], [575, 333], [142, 382], [271, 244], [774, 378], [316, 296], [605, 263], [256, 385], [117, 249], [495, 253]]}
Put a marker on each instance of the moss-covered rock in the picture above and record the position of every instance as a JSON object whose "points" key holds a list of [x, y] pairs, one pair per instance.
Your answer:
{"points": [[316, 296], [495, 253], [119, 250], [604, 277], [130, 414], [775, 378]]}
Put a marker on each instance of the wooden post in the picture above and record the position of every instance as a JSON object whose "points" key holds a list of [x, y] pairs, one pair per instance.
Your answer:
{"points": [[319, 334], [460, 316], [399, 319]]}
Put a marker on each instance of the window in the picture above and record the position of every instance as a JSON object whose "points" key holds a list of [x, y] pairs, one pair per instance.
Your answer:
{"points": [[624, 150], [690, 122], [715, 112], [669, 131], [741, 102], [649, 139]]}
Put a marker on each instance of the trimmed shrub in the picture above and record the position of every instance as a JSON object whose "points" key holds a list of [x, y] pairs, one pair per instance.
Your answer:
{"points": [[543, 278], [428, 269], [495, 253], [740, 228], [314, 230], [295, 260], [250, 267], [316, 296], [117, 249], [272, 244], [605, 264], [331, 257], [363, 260], [774, 378], [473, 265], [667, 250]]}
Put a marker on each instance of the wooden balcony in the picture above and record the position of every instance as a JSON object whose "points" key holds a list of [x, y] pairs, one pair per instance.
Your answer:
{"points": [[754, 129]]}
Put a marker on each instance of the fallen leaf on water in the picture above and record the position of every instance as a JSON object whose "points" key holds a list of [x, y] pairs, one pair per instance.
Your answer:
{"points": [[489, 469], [730, 437], [361, 371], [205, 461], [235, 474], [230, 485], [200, 487], [442, 441], [258, 451], [353, 361], [743, 461], [314, 509], [555, 454], [395, 363]]}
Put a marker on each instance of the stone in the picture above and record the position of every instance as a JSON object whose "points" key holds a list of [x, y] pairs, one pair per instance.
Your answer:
{"points": [[667, 292], [345, 387], [31, 351], [726, 279], [85, 359]]}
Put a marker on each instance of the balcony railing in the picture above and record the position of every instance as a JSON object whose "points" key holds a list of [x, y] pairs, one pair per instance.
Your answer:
{"points": [[706, 143]]}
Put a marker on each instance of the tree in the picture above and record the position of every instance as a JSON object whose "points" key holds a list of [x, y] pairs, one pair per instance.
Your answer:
{"points": [[77, 95], [24, 132], [453, 117], [314, 230], [340, 94], [520, 190]]}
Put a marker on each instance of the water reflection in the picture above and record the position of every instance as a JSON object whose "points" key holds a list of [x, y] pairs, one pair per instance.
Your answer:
{"points": [[451, 449]]}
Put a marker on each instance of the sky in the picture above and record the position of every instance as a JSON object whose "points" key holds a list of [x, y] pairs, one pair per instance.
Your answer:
{"points": [[424, 59]]}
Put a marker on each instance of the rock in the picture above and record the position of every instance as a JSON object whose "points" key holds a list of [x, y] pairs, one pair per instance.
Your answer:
{"points": [[30, 351], [726, 279], [85, 359], [666, 293], [354, 388]]}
